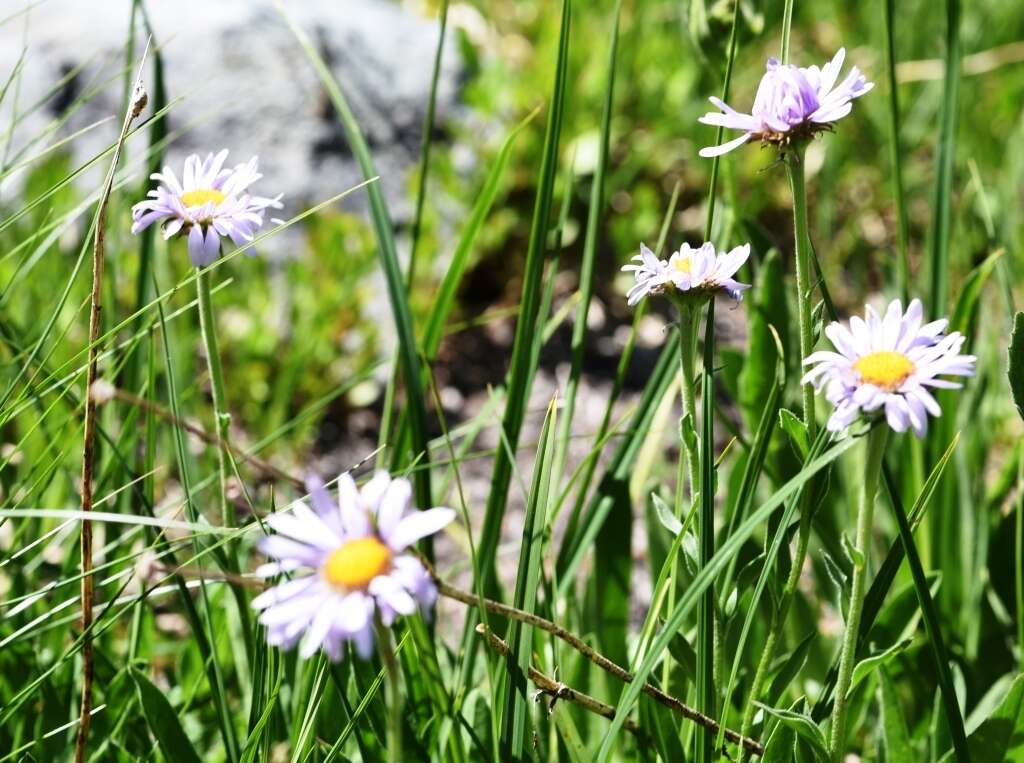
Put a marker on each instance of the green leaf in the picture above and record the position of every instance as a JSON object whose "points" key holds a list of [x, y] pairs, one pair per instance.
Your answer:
{"points": [[664, 727], [586, 288], [1015, 363], [883, 581], [521, 368], [780, 745], [665, 516], [864, 668], [790, 668], [805, 728], [767, 311], [895, 738], [796, 430], [967, 302], [163, 721], [938, 260], [1001, 736]]}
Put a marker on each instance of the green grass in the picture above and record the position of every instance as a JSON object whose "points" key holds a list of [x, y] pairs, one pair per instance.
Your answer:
{"points": [[575, 541]]}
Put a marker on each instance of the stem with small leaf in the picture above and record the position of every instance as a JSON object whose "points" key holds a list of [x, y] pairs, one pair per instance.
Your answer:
{"points": [[875, 443]]}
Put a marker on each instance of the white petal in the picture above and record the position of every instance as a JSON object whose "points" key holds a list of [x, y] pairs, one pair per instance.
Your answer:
{"points": [[418, 525]]}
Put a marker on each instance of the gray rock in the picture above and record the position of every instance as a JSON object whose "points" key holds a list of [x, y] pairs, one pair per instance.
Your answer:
{"points": [[246, 85]]}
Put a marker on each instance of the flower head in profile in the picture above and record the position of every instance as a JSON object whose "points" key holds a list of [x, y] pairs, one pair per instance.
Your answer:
{"points": [[209, 202], [792, 102], [349, 565], [888, 365], [689, 273]]}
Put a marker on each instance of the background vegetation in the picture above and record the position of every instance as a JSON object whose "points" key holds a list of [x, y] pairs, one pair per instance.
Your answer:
{"points": [[310, 366]]}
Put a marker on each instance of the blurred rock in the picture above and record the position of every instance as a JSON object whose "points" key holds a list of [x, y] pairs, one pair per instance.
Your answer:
{"points": [[246, 85]]}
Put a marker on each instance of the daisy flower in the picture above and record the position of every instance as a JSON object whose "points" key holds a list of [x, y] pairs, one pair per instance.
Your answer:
{"points": [[208, 203], [699, 272], [349, 565], [791, 102], [888, 365]]}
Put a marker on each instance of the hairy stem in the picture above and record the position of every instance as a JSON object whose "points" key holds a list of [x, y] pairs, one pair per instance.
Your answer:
{"points": [[689, 455], [802, 247], [222, 419], [794, 160], [875, 443]]}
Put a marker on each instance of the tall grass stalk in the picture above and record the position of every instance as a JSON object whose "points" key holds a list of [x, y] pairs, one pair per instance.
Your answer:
{"points": [[873, 458], [134, 108]]}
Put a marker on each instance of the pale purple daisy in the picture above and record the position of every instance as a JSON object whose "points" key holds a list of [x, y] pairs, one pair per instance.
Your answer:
{"points": [[349, 564], [888, 365], [209, 202], [791, 102], [700, 272]]}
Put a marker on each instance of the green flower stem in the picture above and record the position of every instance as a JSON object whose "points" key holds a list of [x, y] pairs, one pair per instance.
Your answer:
{"points": [[688, 325], [865, 514], [221, 417], [794, 160], [802, 245], [394, 692], [689, 457]]}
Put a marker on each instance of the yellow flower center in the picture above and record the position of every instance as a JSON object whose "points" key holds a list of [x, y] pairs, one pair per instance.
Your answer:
{"points": [[885, 369], [201, 196], [682, 264], [357, 562]]}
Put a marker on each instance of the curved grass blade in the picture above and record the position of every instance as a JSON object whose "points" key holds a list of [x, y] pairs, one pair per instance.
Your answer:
{"points": [[407, 348], [433, 330]]}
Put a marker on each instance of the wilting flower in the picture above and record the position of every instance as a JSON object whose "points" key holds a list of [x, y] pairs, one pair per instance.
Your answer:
{"points": [[350, 568], [791, 102], [688, 272], [888, 365], [208, 203]]}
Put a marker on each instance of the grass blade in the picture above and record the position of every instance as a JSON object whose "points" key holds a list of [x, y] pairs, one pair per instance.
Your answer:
{"points": [[407, 348], [586, 288], [942, 222], [701, 581], [895, 157], [520, 637], [520, 376]]}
